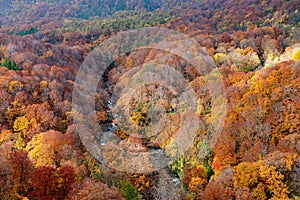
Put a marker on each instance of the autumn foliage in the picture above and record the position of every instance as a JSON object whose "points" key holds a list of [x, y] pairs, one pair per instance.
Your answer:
{"points": [[255, 46]]}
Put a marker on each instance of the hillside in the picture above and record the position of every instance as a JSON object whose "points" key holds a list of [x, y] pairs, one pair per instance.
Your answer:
{"points": [[20, 12], [150, 99]]}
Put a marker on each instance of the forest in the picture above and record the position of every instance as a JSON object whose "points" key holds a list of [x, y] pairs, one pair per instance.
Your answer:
{"points": [[210, 87]]}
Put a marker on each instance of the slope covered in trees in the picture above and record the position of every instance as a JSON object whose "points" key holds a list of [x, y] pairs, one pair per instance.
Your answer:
{"points": [[255, 46], [28, 11]]}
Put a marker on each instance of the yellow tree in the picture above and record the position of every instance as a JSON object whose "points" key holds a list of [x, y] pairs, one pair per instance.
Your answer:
{"points": [[44, 148], [265, 182]]}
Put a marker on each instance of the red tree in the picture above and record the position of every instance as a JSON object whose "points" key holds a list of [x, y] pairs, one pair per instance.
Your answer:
{"points": [[21, 170], [65, 178], [43, 183]]}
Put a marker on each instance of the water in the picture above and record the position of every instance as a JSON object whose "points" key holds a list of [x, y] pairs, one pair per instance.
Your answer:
{"points": [[167, 183]]}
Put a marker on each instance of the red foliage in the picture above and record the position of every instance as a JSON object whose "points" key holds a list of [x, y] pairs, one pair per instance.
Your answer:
{"points": [[65, 178], [225, 37], [220, 187], [48, 183], [88, 189], [6, 182], [216, 164], [43, 183], [263, 106], [21, 170]]}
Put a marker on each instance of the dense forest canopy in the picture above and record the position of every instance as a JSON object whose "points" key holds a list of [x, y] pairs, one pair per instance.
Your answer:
{"points": [[233, 103]]}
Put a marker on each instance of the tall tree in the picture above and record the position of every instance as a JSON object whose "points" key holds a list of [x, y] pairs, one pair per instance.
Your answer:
{"points": [[21, 170]]}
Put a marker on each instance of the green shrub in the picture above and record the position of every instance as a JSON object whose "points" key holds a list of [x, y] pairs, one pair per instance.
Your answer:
{"points": [[178, 166], [10, 64], [27, 32], [128, 190]]}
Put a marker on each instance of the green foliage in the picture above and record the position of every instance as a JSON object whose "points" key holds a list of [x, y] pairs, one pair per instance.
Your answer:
{"points": [[251, 121], [209, 170], [124, 20], [96, 174], [27, 32], [128, 190], [222, 30], [208, 159], [178, 166], [294, 18], [10, 64]]}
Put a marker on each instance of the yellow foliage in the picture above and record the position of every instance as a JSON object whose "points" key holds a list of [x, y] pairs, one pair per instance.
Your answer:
{"points": [[247, 51], [200, 108], [122, 134], [12, 112], [40, 154], [19, 142], [261, 180], [296, 55], [274, 181], [67, 21], [290, 161], [129, 63], [259, 192], [48, 54], [201, 167], [16, 104], [140, 182], [92, 166], [14, 84], [20, 124], [140, 117], [136, 117], [5, 136], [43, 84], [197, 184], [33, 123], [219, 58], [246, 174]]}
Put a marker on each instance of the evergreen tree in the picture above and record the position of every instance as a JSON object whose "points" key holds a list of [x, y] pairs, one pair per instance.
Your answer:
{"points": [[10, 64]]}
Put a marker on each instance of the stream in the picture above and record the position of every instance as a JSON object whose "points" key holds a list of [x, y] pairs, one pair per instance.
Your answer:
{"points": [[164, 185]]}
